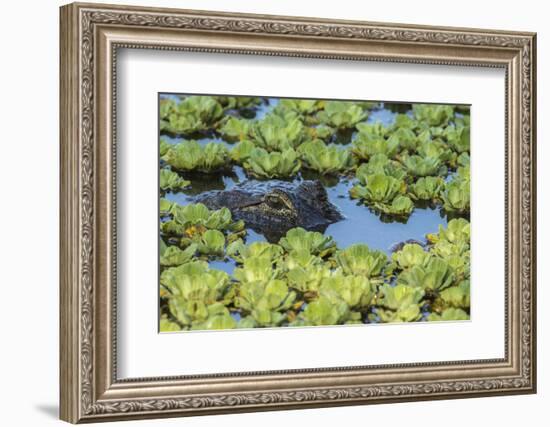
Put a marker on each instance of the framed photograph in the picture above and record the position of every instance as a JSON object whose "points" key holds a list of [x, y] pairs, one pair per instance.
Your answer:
{"points": [[266, 212]]}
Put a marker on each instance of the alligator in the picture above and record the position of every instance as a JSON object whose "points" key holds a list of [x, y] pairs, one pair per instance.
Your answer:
{"points": [[271, 208]]}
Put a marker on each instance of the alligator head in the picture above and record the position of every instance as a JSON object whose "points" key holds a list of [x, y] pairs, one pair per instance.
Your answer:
{"points": [[273, 207]]}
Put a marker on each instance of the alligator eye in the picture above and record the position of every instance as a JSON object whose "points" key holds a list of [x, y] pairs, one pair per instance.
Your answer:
{"points": [[274, 202]]}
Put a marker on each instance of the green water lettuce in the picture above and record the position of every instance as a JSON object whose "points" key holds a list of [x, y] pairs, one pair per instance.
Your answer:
{"points": [[265, 302], [193, 287], [197, 214], [241, 152], [218, 317], [191, 156], [427, 188], [458, 138], [275, 133], [456, 197], [378, 188], [300, 258], [308, 279], [341, 114], [240, 252], [457, 296], [167, 325], [379, 164], [356, 291], [433, 115], [211, 242], [401, 206], [449, 314], [404, 138], [437, 150], [325, 159], [435, 276], [313, 242], [263, 164], [400, 303], [164, 146], [403, 121], [359, 259], [235, 129], [456, 232], [173, 256], [412, 255], [193, 114], [422, 166], [171, 181], [323, 311], [374, 129], [366, 145], [256, 269], [302, 107], [238, 102]]}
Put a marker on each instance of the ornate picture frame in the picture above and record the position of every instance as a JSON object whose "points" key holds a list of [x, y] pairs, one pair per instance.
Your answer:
{"points": [[90, 37]]}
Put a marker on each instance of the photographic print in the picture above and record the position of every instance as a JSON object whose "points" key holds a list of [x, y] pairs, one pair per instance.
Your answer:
{"points": [[282, 212]]}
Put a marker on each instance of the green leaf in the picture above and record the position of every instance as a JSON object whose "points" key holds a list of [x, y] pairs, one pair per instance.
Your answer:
{"points": [[172, 181], [341, 114], [324, 159], [173, 255], [359, 259], [263, 164], [449, 314], [313, 242]]}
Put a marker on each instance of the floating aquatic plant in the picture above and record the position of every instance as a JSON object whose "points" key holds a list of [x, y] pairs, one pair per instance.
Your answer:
{"points": [[211, 242], [456, 197], [449, 314], [164, 146], [256, 269], [341, 114], [356, 291], [378, 188], [422, 166], [193, 114], [275, 133], [323, 311], [265, 302], [240, 252], [366, 145], [241, 152], [412, 255], [359, 259], [435, 276], [313, 242], [197, 214], [457, 296], [235, 129], [458, 138], [308, 279], [427, 188], [404, 138], [400, 303], [379, 164], [325, 159], [238, 102], [401, 206], [191, 156], [263, 164], [195, 292], [433, 115], [172, 256], [172, 181]]}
